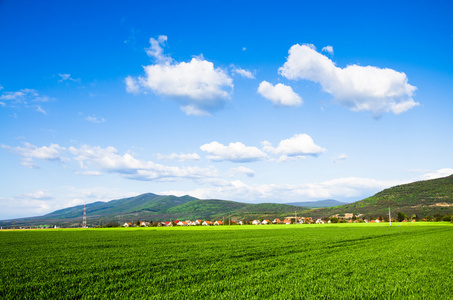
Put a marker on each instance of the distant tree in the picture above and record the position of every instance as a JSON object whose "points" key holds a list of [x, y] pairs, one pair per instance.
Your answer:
{"points": [[438, 217], [447, 218], [333, 220], [112, 224], [401, 217], [429, 218], [381, 218]]}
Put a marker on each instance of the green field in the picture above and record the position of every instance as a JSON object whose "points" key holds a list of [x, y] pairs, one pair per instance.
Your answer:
{"points": [[331, 261]]}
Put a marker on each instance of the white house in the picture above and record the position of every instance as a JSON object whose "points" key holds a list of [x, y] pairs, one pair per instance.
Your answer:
{"points": [[256, 222]]}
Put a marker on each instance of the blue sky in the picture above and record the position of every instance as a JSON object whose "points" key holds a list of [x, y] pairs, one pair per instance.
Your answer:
{"points": [[252, 101]]}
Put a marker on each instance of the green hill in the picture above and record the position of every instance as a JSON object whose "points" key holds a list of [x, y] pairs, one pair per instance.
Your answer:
{"points": [[151, 207], [421, 198]]}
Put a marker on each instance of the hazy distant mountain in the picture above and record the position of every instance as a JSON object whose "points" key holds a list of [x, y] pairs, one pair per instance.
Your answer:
{"points": [[318, 204]]}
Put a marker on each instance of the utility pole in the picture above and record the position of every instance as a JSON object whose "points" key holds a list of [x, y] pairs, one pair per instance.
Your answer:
{"points": [[84, 222]]}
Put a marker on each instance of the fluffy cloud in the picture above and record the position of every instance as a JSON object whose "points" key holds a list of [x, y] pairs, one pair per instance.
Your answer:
{"points": [[234, 152], [356, 87], [280, 94], [328, 49], [180, 157], [108, 160], [243, 73], [156, 49], [438, 174], [295, 147], [340, 188], [241, 171], [200, 86], [30, 152]]}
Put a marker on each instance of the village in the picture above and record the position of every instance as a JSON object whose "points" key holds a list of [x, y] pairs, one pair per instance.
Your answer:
{"points": [[276, 221]]}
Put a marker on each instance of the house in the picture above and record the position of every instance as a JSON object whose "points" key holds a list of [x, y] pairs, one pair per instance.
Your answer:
{"points": [[182, 223], [277, 221], [372, 221], [256, 222], [319, 221], [218, 223], [169, 224], [197, 222], [207, 223], [413, 221], [265, 222], [127, 224], [287, 221], [240, 223], [144, 224]]}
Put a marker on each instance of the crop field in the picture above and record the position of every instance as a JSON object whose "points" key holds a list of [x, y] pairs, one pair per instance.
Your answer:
{"points": [[331, 261]]}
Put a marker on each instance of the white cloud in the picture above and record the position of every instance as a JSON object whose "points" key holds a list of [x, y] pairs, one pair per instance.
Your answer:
{"points": [[340, 188], [94, 119], [156, 51], [356, 87], [197, 79], [180, 157], [234, 152], [132, 85], [438, 174], [243, 73], [241, 171], [108, 160], [200, 87], [90, 173], [280, 94], [30, 152], [39, 109], [65, 77], [25, 98], [328, 49], [338, 158], [295, 147]]}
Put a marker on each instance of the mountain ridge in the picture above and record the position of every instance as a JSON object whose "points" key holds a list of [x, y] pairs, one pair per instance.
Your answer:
{"points": [[422, 198]]}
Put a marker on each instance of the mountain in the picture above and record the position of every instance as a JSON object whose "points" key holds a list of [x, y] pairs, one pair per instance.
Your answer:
{"points": [[318, 204], [151, 207], [421, 198]]}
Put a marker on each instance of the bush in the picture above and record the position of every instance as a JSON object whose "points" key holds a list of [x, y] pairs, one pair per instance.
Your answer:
{"points": [[112, 224], [447, 218]]}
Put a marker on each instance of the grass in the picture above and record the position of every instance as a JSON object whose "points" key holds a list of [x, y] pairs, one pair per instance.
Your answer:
{"points": [[331, 261]]}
